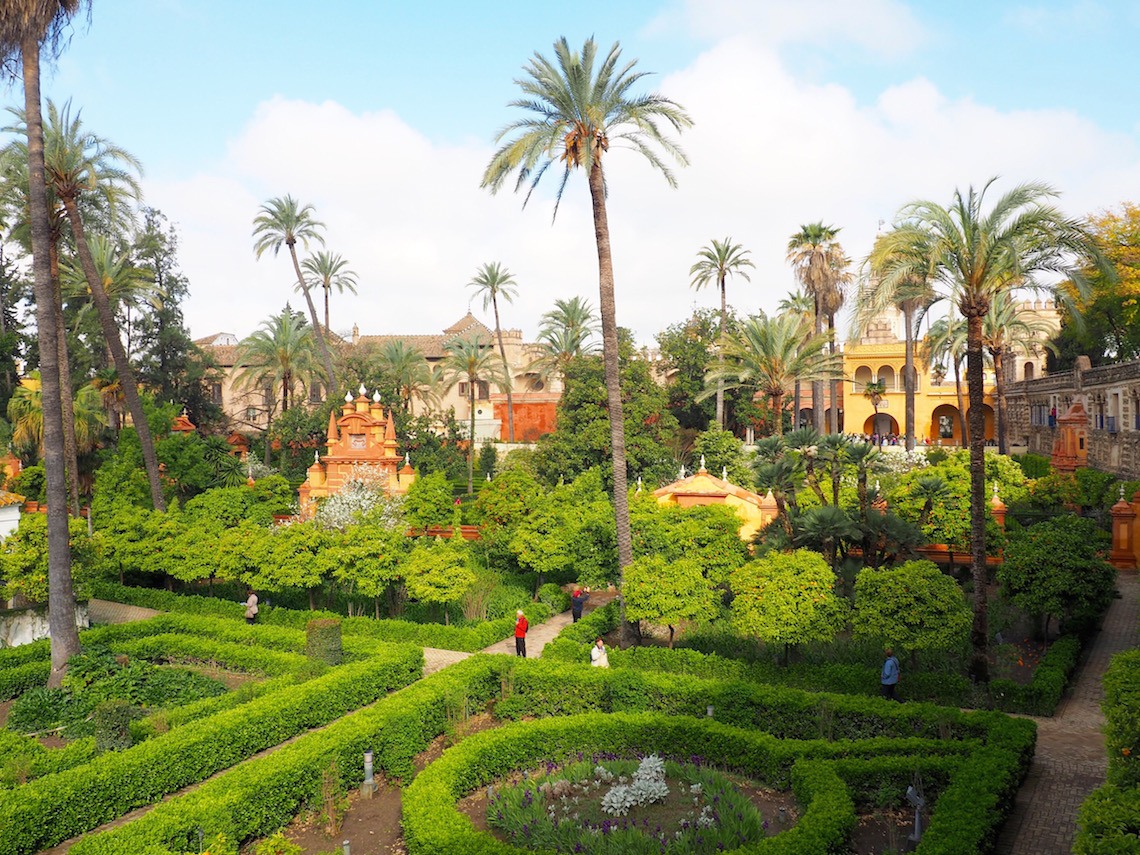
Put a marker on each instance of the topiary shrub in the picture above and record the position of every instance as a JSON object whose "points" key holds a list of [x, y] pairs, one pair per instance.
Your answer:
{"points": [[555, 597], [113, 725], [324, 641]]}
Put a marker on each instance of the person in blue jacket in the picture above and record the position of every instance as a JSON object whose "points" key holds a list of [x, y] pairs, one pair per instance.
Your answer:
{"points": [[890, 676]]}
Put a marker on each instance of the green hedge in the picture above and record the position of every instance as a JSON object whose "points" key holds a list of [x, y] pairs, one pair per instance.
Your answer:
{"points": [[433, 826], [56, 807], [1109, 819], [573, 643], [18, 679], [261, 795], [28, 755], [177, 647], [1050, 678], [470, 639]]}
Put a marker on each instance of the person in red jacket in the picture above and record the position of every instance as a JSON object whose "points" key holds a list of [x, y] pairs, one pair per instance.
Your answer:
{"points": [[520, 634]]}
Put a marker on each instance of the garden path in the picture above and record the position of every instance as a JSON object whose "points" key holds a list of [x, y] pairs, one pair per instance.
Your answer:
{"points": [[1070, 760]]}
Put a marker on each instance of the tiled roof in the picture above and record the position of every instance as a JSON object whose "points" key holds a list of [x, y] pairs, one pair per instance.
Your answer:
{"points": [[7, 499]]}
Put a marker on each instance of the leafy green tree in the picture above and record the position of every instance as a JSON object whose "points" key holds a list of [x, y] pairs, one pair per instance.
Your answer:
{"points": [[723, 453], [292, 559], [706, 534], [716, 263], [24, 558], [501, 506], [368, 562], [430, 446], [328, 270], [914, 606], [283, 221], [493, 282], [437, 571], [575, 111], [581, 440], [668, 593], [787, 598], [1055, 569], [976, 254], [430, 501]]}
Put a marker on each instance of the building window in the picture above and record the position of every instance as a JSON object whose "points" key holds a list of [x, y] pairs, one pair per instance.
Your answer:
{"points": [[216, 393], [315, 396], [482, 390]]}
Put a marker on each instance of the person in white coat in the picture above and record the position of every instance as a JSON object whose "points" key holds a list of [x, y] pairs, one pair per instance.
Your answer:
{"points": [[598, 656]]}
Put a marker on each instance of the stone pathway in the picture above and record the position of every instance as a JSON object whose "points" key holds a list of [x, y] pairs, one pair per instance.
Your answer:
{"points": [[105, 611], [1070, 761]]}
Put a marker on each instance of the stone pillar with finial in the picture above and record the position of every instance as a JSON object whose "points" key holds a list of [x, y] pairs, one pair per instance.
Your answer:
{"points": [[997, 507], [1123, 554]]}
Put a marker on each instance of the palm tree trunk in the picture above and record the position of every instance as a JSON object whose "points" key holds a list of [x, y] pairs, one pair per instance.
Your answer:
{"points": [[909, 374], [796, 405], [778, 412], [471, 381], [720, 354], [999, 392], [328, 326], [318, 332], [506, 373], [608, 310], [66, 396], [115, 345], [61, 595], [979, 635], [833, 422], [817, 385], [965, 437]]}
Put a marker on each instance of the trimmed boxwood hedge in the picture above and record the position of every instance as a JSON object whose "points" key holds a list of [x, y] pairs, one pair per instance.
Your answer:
{"points": [[978, 758], [263, 794], [433, 825], [469, 639], [1109, 819], [56, 807]]}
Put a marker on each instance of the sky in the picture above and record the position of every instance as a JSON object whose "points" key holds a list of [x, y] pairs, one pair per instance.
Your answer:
{"points": [[383, 116]]}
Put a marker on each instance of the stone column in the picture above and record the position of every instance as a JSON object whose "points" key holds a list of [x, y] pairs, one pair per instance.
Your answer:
{"points": [[1123, 554]]}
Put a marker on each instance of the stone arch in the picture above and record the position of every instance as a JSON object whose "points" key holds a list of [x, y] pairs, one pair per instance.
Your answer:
{"points": [[887, 377], [944, 420]]}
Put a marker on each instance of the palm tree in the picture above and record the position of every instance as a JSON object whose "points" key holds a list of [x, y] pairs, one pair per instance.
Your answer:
{"points": [[79, 162], [874, 392], [125, 284], [767, 354], [1007, 327], [931, 489], [470, 360], [327, 270], [799, 303], [406, 367], [25, 411], [715, 263], [822, 268], [283, 221], [25, 25], [493, 281], [575, 111], [279, 354], [564, 333], [912, 294], [975, 255]]}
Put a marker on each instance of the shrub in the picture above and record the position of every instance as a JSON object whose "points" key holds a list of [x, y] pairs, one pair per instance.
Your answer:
{"points": [[112, 726], [554, 597], [1033, 465], [324, 641]]}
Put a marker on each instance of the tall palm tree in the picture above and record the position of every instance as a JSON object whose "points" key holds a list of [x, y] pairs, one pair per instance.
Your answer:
{"points": [[406, 366], [126, 285], [821, 267], [78, 162], [576, 109], [976, 254], [715, 263], [277, 355], [493, 281], [470, 360], [874, 392], [799, 303], [283, 221], [25, 26], [911, 294], [767, 354], [1008, 328], [328, 270]]}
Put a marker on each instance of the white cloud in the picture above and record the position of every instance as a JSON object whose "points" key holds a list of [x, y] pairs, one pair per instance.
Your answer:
{"points": [[768, 153]]}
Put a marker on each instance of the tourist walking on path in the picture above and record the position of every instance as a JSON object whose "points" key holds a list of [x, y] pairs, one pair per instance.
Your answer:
{"points": [[890, 676], [251, 608], [577, 601], [520, 634], [598, 656]]}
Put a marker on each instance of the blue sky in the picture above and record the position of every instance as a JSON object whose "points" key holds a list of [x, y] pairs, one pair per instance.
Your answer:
{"points": [[383, 115]]}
